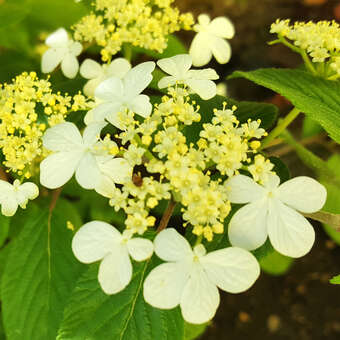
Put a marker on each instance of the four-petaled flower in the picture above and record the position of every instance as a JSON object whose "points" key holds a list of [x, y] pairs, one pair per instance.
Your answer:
{"points": [[191, 277], [97, 73], [99, 241], [271, 211], [83, 155], [62, 50], [198, 81], [210, 40], [116, 95], [16, 194]]}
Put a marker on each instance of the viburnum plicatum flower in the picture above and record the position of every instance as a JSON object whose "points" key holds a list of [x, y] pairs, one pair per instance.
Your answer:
{"points": [[191, 276], [210, 40], [198, 81], [116, 95], [273, 210], [100, 241], [97, 73], [83, 155], [16, 194], [62, 50]]}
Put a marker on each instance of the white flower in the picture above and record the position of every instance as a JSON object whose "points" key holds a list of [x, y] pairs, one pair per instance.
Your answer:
{"points": [[62, 50], [99, 241], [92, 70], [116, 95], [271, 211], [199, 81], [210, 40], [82, 155], [16, 194], [191, 277]]}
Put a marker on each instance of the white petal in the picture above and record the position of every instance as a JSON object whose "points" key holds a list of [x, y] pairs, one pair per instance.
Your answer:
{"points": [[75, 48], [90, 69], [9, 206], [171, 245], [101, 112], [207, 73], [70, 66], [58, 168], [176, 66], [222, 27], [92, 133], [231, 269], [203, 19], [138, 78], [117, 169], [243, 189], [206, 89], [141, 105], [221, 49], [166, 82], [139, 248], [87, 172], [51, 59], [63, 137], [248, 227], [272, 182], [289, 232], [111, 90], [164, 285], [29, 190], [94, 240], [200, 297], [199, 50], [115, 271], [105, 187], [303, 193], [90, 87], [57, 38], [119, 68]]}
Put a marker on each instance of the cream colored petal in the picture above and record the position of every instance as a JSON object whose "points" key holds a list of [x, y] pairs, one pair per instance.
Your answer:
{"points": [[63, 137], [90, 87], [221, 49], [94, 240], [58, 168], [207, 73], [105, 187], [57, 38], [203, 19], [199, 49], [115, 271], [90, 69], [118, 68], [248, 226], [141, 105], [171, 245], [243, 189], [289, 232], [222, 27], [9, 206], [51, 59], [117, 169], [176, 66], [29, 190], [231, 269], [102, 112], [110, 90], [70, 66], [164, 285], [200, 298], [167, 81], [139, 248], [75, 48], [303, 193], [206, 89], [87, 172], [92, 133]]}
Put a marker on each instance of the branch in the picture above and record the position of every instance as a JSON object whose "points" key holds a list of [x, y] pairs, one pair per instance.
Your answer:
{"points": [[166, 216]]}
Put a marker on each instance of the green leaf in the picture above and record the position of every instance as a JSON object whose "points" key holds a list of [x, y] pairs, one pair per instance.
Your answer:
{"points": [[310, 128], [335, 280], [192, 332], [245, 110], [4, 229], [39, 276], [275, 264], [91, 314], [316, 97], [280, 168], [10, 14]]}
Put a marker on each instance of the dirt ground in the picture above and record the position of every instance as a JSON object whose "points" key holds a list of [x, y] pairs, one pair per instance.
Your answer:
{"points": [[301, 305]]}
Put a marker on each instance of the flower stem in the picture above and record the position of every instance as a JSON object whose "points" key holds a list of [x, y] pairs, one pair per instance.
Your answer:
{"points": [[166, 216], [199, 240], [282, 125]]}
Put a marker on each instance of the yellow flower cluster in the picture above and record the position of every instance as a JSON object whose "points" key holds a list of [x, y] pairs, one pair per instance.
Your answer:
{"points": [[319, 42], [143, 23], [27, 107]]}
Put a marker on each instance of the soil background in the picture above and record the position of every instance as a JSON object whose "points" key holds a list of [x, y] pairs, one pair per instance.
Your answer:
{"points": [[301, 305]]}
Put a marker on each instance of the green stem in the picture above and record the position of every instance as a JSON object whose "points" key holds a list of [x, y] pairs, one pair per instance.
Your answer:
{"points": [[127, 52], [199, 240], [280, 127], [307, 61], [147, 153]]}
